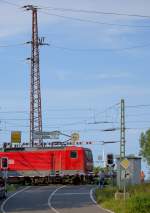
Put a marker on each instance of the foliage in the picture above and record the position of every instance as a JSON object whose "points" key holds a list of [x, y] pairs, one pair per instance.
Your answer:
{"points": [[145, 145], [139, 201], [96, 170], [12, 187]]}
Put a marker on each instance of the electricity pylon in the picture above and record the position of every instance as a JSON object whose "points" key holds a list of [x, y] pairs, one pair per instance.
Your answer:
{"points": [[35, 90]]}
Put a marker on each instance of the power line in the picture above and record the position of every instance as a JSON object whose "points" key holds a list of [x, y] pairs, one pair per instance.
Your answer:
{"points": [[17, 112], [96, 12], [70, 109], [94, 21], [83, 11], [138, 114], [101, 49], [85, 50], [137, 121], [88, 11], [10, 3], [12, 45], [108, 108], [138, 106]]}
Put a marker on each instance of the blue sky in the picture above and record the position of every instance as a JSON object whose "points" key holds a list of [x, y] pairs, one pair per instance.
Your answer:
{"points": [[80, 83]]}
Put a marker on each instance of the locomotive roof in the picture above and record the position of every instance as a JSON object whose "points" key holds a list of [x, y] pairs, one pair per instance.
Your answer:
{"points": [[16, 149]]}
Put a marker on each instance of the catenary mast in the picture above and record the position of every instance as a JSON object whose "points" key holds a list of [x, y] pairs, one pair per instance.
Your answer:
{"points": [[35, 90]]}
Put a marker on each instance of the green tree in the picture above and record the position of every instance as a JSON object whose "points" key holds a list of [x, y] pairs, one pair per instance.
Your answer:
{"points": [[145, 146]]}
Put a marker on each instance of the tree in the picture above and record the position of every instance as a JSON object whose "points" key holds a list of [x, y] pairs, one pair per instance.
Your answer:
{"points": [[145, 146]]}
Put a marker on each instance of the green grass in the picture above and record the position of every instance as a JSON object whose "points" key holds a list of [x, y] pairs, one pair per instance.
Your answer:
{"points": [[12, 187], [139, 201]]}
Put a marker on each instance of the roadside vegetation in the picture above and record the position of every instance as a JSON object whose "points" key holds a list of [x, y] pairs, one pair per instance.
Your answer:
{"points": [[138, 202], [12, 187]]}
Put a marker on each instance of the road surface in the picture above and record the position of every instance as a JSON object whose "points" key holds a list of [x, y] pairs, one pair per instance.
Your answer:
{"points": [[52, 199]]}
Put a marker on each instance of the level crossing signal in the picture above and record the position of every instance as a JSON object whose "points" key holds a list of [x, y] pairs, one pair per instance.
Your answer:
{"points": [[110, 159], [4, 163]]}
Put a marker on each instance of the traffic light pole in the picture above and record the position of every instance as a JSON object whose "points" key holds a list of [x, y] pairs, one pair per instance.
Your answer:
{"points": [[5, 181], [4, 167]]}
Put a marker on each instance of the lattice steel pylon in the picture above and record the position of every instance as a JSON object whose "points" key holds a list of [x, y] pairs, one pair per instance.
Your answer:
{"points": [[122, 130], [35, 90]]}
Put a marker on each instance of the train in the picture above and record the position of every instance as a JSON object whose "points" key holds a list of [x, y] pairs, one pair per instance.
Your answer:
{"points": [[69, 164]]}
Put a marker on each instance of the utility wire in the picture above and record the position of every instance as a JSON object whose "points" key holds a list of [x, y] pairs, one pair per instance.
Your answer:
{"points": [[16, 112], [101, 49], [94, 21], [96, 12], [12, 45], [82, 10], [138, 106], [108, 108], [10, 3], [86, 49], [88, 11], [137, 115]]}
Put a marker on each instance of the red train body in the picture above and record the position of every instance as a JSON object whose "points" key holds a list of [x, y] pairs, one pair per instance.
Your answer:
{"points": [[49, 165]]}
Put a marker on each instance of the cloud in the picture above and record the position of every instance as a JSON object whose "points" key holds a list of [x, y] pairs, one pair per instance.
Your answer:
{"points": [[91, 94], [17, 21], [64, 75]]}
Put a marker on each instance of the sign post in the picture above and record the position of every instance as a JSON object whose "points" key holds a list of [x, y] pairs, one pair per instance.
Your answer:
{"points": [[125, 164]]}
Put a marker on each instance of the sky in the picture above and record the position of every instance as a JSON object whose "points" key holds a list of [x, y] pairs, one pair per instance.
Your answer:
{"points": [[92, 62]]}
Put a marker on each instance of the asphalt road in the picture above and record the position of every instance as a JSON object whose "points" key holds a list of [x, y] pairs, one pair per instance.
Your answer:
{"points": [[52, 199]]}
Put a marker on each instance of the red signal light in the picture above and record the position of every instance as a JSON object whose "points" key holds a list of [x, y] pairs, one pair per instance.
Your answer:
{"points": [[4, 163]]}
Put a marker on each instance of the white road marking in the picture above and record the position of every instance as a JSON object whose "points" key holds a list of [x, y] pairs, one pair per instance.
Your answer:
{"points": [[94, 201], [91, 196], [5, 201], [50, 198]]}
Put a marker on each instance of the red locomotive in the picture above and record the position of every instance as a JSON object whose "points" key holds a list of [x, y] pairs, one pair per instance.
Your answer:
{"points": [[49, 165]]}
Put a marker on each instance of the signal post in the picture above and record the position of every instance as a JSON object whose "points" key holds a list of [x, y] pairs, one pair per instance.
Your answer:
{"points": [[4, 167]]}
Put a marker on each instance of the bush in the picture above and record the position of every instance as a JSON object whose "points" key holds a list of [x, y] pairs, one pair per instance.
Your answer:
{"points": [[139, 201], [12, 187]]}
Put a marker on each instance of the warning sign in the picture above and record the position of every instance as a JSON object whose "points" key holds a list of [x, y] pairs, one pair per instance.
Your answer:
{"points": [[125, 163], [15, 137]]}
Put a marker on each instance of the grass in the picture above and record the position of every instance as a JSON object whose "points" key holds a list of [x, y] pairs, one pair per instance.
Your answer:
{"points": [[139, 201], [12, 187]]}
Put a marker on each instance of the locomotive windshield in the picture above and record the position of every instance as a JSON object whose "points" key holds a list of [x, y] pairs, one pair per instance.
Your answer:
{"points": [[89, 155]]}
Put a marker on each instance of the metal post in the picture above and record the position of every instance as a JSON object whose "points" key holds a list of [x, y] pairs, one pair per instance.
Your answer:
{"points": [[122, 138], [35, 89], [124, 190], [104, 163]]}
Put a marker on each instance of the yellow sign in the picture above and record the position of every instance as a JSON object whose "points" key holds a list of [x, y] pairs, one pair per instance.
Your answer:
{"points": [[125, 163], [15, 137], [75, 137]]}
